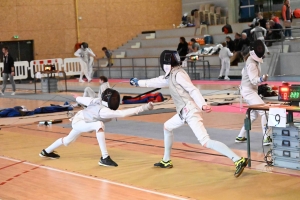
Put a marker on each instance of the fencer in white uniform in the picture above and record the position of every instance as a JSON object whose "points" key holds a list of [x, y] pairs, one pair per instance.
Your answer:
{"points": [[189, 104], [251, 78], [225, 55], [93, 118], [86, 62], [104, 84]]}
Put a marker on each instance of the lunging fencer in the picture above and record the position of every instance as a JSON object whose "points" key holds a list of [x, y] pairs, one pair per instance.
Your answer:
{"points": [[251, 78], [93, 118], [189, 104], [86, 62]]}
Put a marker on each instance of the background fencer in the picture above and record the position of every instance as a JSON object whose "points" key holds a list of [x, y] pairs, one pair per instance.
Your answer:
{"points": [[92, 119], [86, 62], [104, 84], [225, 55], [251, 78], [189, 104]]}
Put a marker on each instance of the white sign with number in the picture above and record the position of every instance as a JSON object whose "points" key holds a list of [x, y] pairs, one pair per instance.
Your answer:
{"points": [[277, 117]]}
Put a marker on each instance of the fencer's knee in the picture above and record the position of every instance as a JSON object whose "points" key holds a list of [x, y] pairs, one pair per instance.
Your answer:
{"points": [[66, 141], [167, 127], [205, 141], [101, 127]]}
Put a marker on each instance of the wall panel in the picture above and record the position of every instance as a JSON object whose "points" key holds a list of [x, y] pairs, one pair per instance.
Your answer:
{"points": [[52, 23]]}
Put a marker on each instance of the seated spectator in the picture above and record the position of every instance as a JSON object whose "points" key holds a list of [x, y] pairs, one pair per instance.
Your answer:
{"points": [[104, 84], [182, 48], [195, 47], [260, 34], [241, 45], [236, 51], [261, 20], [256, 19], [230, 43], [275, 19], [275, 34]]}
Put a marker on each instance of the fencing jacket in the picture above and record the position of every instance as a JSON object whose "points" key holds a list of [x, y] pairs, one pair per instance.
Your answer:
{"points": [[251, 75], [181, 87], [225, 54], [84, 54]]}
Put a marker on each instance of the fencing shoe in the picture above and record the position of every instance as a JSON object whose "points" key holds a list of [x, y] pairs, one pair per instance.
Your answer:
{"points": [[240, 166], [163, 164], [107, 162], [51, 155], [240, 139]]}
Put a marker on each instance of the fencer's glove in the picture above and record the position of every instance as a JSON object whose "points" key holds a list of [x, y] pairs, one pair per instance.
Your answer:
{"points": [[206, 108], [134, 82], [148, 106], [264, 78]]}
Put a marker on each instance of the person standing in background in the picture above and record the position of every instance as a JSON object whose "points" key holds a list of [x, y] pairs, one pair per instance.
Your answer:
{"points": [[86, 54], [225, 55], [287, 19], [182, 48], [8, 71], [108, 55]]}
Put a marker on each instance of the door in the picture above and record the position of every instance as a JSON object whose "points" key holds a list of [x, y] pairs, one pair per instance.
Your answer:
{"points": [[21, 50]]}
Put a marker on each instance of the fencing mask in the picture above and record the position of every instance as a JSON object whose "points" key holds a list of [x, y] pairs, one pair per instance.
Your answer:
{"points": [[84, 45], [169, 59], [257, 50], [111, 99]]}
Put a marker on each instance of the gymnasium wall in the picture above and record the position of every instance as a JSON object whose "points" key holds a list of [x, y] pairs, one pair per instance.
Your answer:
{"points": [[52, 23]]}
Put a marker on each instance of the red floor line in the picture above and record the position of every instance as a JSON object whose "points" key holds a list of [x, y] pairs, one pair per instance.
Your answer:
{"points": [[12, 165], [18, 175]]}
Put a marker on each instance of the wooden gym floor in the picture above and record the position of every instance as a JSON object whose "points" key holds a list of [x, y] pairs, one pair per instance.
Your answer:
{"points": [[197, 174]]}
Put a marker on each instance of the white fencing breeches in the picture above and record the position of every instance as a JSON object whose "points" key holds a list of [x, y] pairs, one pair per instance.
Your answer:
{"points": [[89, 92], [225, 66], [252, 98], [84, 70], [194, 120], [79, 126]]}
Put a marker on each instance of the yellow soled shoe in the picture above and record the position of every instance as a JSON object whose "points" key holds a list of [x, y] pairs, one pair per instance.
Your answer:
{"points": [[163, 164], [240, 166]]}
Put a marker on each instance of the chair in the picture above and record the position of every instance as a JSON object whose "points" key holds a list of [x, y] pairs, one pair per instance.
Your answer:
{"points": [[206, 11], [201, 12], [198, 25], [210, 14], [217, 15], [223, 18]]}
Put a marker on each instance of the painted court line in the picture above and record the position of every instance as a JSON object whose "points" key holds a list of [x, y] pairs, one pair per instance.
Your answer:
{"points": [[97, 179]]}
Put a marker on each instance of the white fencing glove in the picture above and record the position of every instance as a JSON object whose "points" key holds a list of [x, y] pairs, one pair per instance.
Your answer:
{"points": [[148, 106]]}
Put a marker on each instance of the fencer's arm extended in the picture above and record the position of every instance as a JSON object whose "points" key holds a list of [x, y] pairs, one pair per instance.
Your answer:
{"points": [[194, 92], [107, 113], [158, 82], [253, 74], [78, 53], [87, 100]]}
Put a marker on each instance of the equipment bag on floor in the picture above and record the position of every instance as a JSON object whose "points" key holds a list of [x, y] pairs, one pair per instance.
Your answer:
{"points": [[152, 97]]}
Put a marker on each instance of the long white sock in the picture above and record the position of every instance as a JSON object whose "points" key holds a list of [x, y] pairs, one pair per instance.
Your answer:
{"points": [[102, 144], [54, 145], [227, 70], [263, 126], [222, 149], [168, 142]]}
